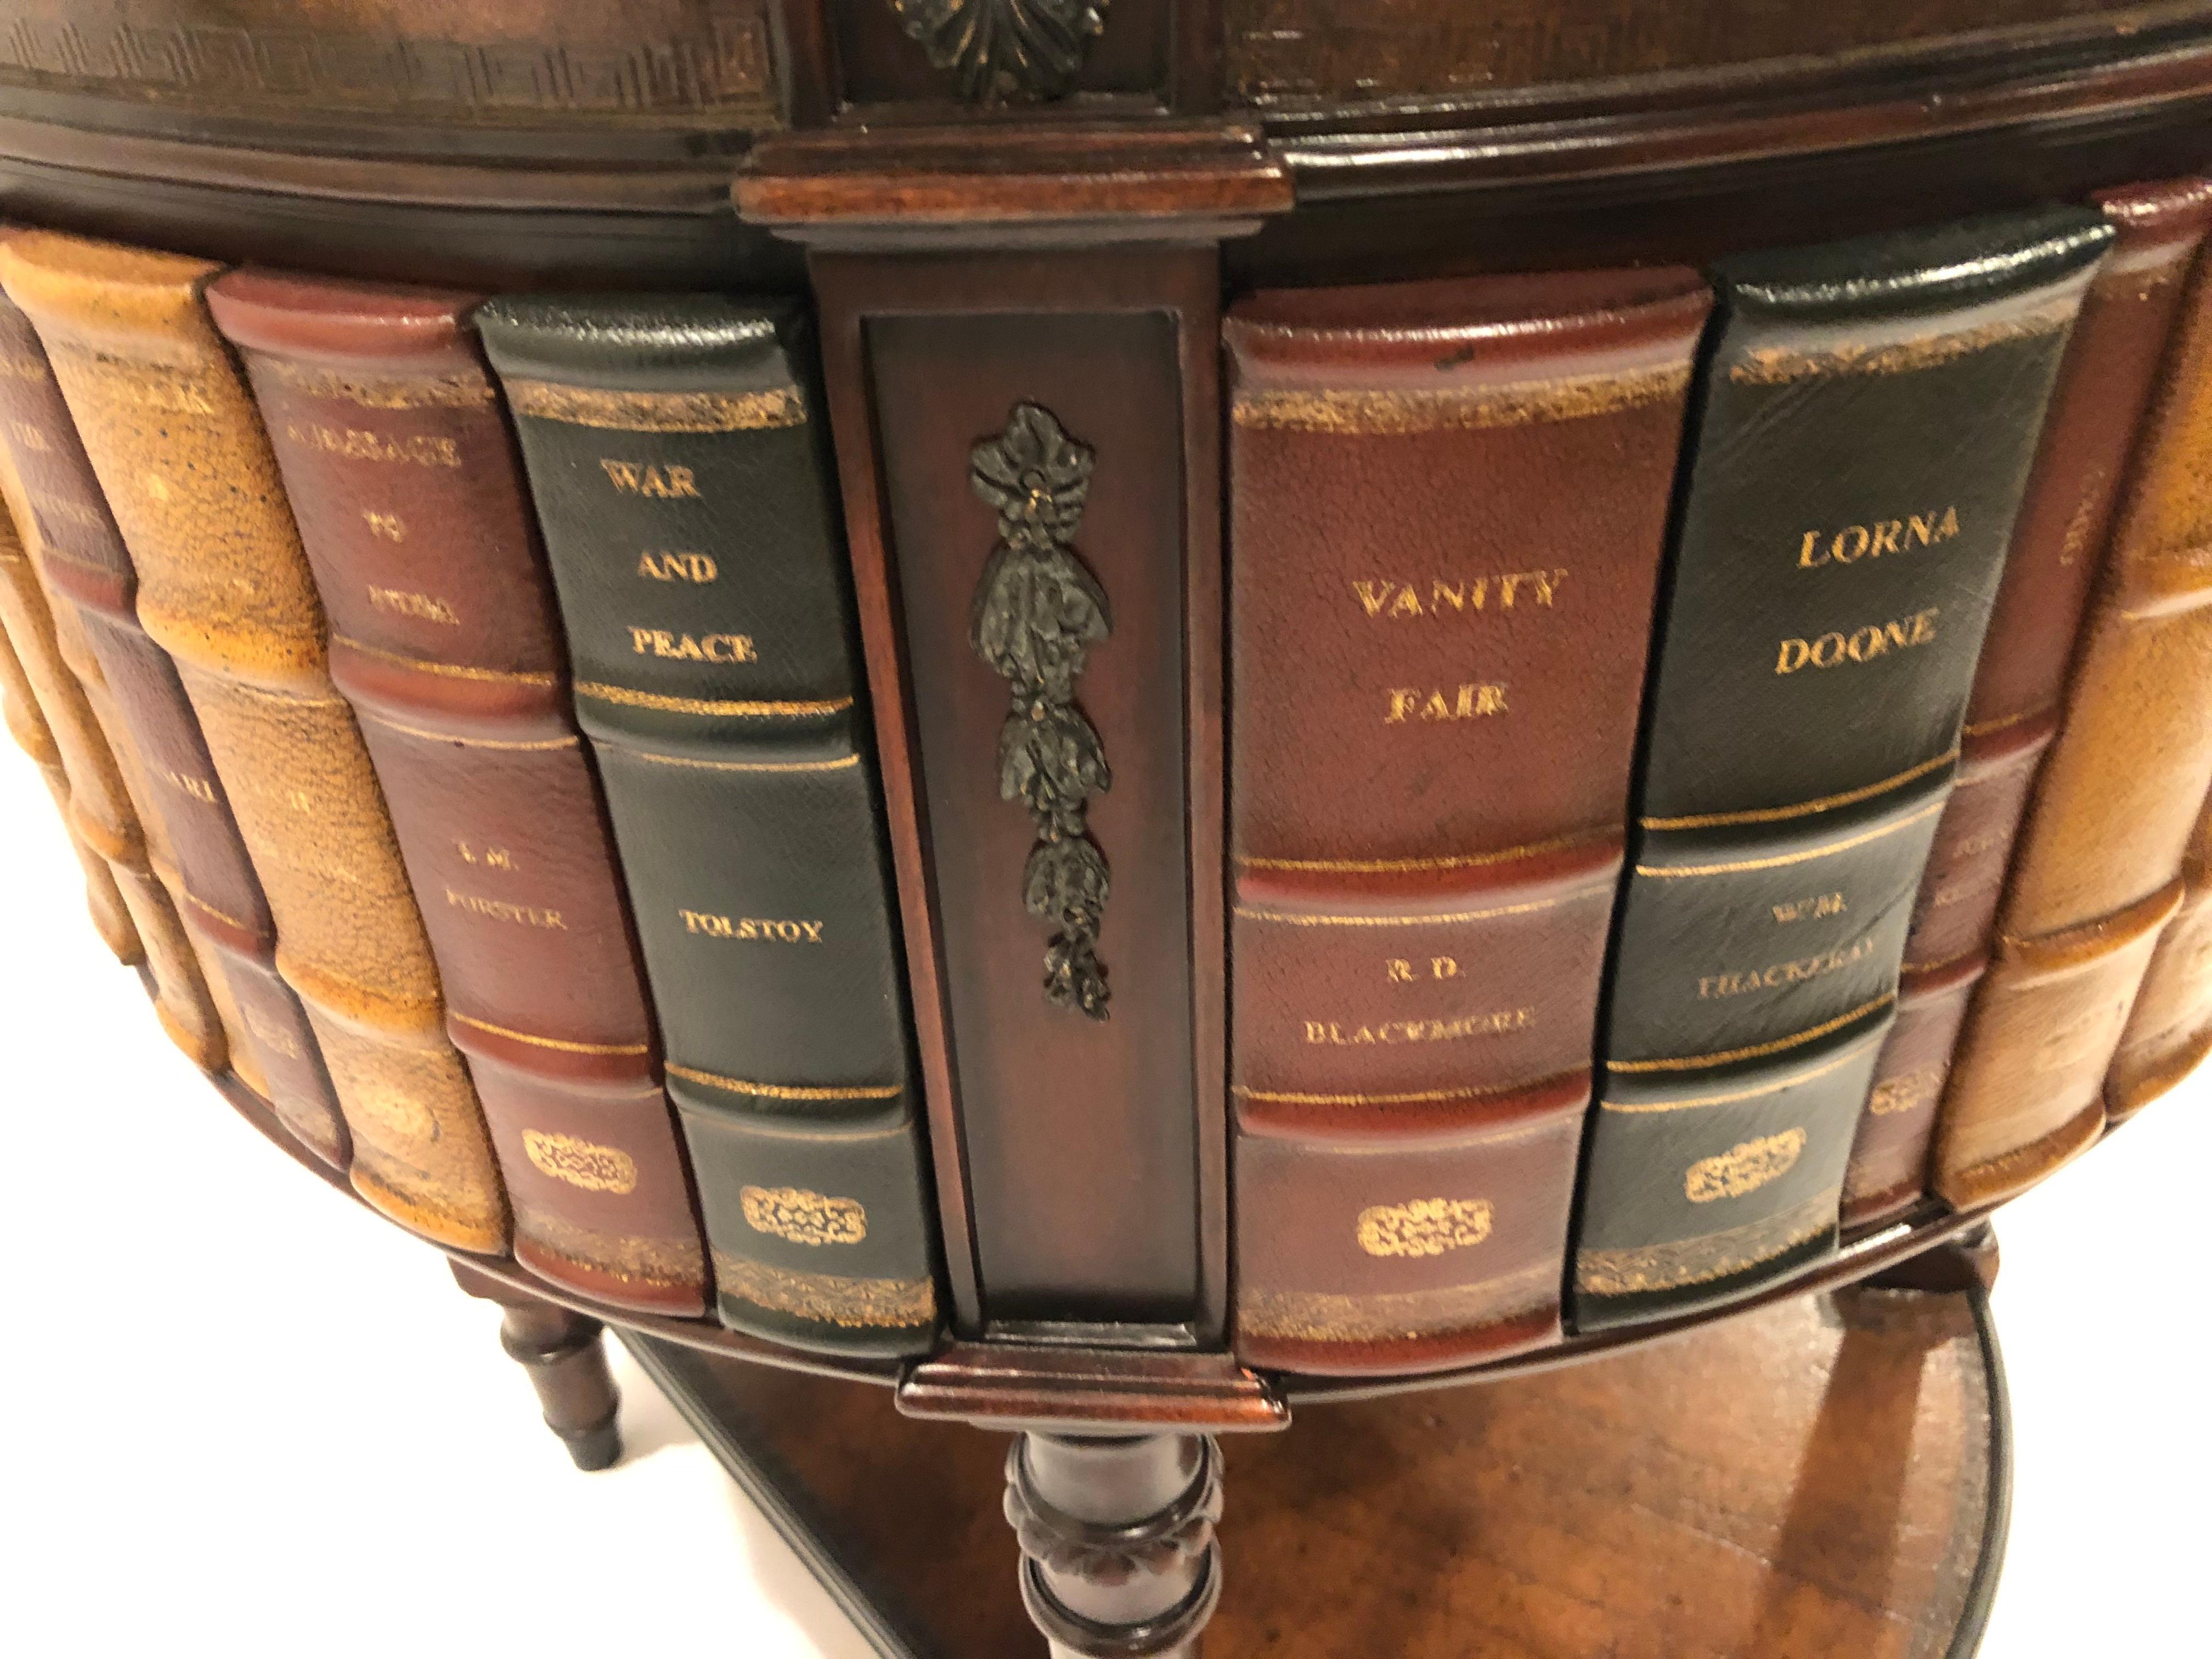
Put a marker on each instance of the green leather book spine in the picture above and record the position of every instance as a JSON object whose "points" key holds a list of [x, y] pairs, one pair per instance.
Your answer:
{"points": [[676, 458], [1860, 441]]}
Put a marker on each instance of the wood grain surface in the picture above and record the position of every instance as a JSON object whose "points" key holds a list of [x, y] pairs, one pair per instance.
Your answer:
{"points": [[1815, 1481]]}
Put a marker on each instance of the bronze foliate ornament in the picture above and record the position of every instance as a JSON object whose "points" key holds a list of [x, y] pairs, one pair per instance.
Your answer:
{"points": [[1036, 613], [1006, 51]]}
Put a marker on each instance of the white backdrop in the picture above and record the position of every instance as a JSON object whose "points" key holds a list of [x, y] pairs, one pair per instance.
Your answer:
{"points": [[245, 1416]]}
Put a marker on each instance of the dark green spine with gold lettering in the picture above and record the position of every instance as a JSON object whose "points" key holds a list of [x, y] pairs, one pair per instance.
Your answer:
{"points": [[675, 454], [1863, 434]]}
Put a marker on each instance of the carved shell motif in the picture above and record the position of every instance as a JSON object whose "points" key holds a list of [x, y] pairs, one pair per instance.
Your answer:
{"points": [[1006, 51]]}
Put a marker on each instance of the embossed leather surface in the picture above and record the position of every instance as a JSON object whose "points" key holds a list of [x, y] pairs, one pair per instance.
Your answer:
{"points": [[2026, 1089], [81, 555], [674, 460], [1888, 1170], [2110, 368], [100, 809], [2114, 808], [179, 453], [1836, 566], [1745, 941], [818, 1224], [1700, 1188], [2169, 1030], [1956, 909], [1433, 486], [412, 510], [110, 920], [1384, 990], [1833, 573], [1409, 1244], [1448, 503]]}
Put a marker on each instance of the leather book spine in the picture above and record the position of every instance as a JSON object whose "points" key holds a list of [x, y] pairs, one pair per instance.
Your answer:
{"points": [[1701, 1187], [2169, 1030], [410, 501], [2108, 828], [1436, 685], [82, 559], [1825, 605], [110, 918], [1956, 911], [2026, 1083], [1887, 1173], [101, 812], [675, 458], [170, 428]]}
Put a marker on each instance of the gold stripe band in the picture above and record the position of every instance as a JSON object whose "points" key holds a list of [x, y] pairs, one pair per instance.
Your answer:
{"points": [[450, 671], [1376, 867], [1732, 1094], [1411, 1098], [1352, 412], [550, 1043], [1675, 871], [474, 743], [845, 764], [659, 411], [1776, 814], [1696, 1062], [1294, 920], [784, 1092], [622, 694], [1709, 1257]]}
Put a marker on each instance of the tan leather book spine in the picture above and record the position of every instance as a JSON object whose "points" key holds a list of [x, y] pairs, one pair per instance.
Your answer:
{"points": [[100, 809], [2169, 1030], [199, 1013], [110, 920], [91, 583], [173, 438], [2109, 824], [2030, 1072]]}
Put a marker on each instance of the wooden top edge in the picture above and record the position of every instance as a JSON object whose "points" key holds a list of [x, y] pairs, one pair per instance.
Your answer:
{"points": [[1038, 174]]}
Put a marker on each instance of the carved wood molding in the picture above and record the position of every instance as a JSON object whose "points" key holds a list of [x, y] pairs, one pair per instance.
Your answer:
{"points": [[1038, 610], [1004, 52]]}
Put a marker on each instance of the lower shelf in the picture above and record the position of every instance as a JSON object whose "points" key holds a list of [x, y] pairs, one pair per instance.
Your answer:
{"points": [[1825, 1479]]}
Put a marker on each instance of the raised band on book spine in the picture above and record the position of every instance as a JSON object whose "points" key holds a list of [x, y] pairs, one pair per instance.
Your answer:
{"points": [[82, 556], [19, 707], [408, 496], [2099, 865], [2169, 1030], [2106, 380], [1826, 601], [101, 810], [1447, 506], [681, 485], [171, 430]]}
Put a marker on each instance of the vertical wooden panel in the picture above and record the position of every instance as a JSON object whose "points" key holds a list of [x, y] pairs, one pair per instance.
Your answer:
{"points": [[1080, 1160]]}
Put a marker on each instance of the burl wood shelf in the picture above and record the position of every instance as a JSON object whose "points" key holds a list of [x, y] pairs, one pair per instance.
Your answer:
{"points": [[1823, 1478]]}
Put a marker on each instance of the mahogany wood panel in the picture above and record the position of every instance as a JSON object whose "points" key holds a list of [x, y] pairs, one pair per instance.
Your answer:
{"points": [[1799, 1483], [1079, 1161], [1299, 54], [430, 76]]}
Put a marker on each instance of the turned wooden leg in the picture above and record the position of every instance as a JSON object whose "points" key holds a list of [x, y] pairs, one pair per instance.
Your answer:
{"points": [[567, 1362], [1118, 1554]]}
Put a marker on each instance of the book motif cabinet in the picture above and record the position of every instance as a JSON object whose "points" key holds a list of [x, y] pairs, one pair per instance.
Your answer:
{"points": [[1100, 720]]}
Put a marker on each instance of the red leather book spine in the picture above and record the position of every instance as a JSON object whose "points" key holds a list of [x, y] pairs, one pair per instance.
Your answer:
{"points": [[1888, 1168], [404, 481], [1448, 506], [83, 559], [2104, 384]]}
